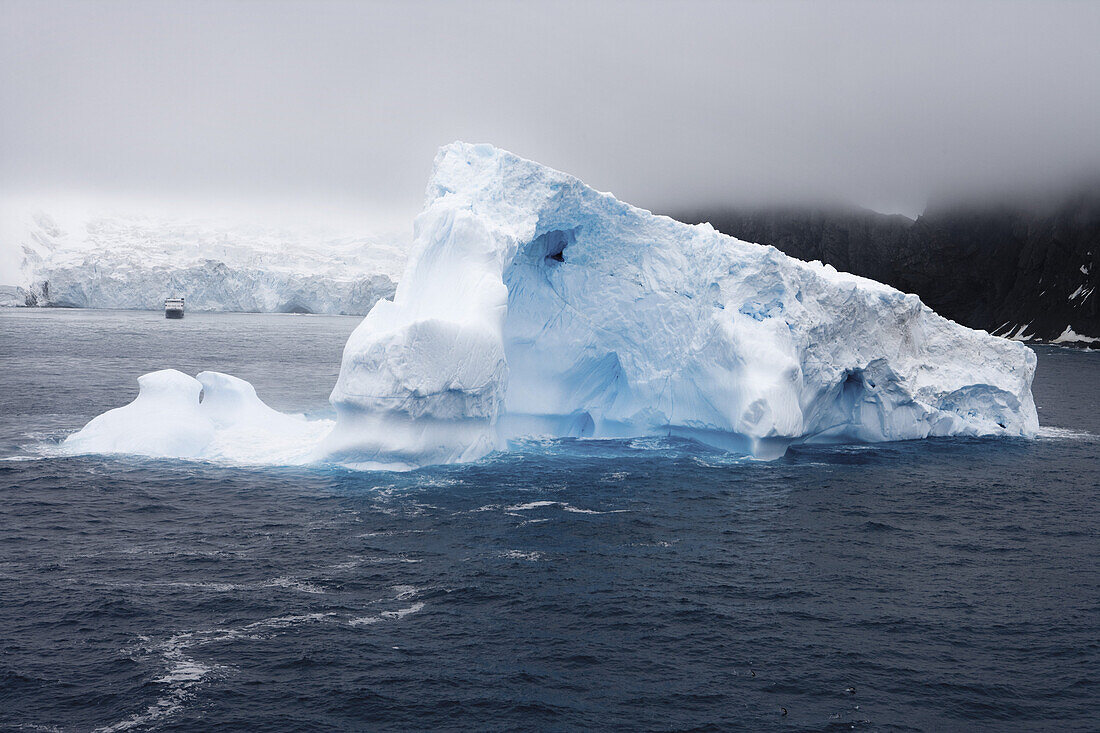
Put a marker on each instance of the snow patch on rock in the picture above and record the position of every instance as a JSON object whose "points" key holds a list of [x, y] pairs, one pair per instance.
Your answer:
{"points": [[1069, 336]]}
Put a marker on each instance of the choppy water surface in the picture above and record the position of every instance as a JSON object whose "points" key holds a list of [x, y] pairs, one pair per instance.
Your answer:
{"points": [[942, 585]]}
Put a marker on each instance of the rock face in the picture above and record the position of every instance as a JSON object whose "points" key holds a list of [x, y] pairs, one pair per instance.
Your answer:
{"points": [[533, 305], [1022, 270]]}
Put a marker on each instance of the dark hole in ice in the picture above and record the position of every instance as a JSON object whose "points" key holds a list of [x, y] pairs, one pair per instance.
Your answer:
{"points": [[551, 245]]}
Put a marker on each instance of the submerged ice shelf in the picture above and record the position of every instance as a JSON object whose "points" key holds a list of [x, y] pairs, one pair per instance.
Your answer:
{"points": [[533, 305]]}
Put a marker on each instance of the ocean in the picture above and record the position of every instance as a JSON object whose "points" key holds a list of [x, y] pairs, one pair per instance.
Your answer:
{"points": [[945, 584]]}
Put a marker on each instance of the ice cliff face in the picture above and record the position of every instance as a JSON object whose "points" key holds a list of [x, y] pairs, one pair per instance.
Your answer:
{"points": [[119, 261], [533, 305]]}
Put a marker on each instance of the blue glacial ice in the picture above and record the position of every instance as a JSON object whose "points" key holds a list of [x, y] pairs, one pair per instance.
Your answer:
{"points": [[533, 305]]}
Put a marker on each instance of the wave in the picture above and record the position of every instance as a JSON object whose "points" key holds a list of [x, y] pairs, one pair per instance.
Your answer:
{"points": [[182, 674], [1053, 433]]}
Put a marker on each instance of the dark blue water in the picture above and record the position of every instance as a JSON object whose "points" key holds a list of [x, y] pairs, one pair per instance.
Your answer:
{"points": [[931, 585]]}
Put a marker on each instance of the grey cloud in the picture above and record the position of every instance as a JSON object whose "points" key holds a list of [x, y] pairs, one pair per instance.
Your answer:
{"points": [[666, 104]]}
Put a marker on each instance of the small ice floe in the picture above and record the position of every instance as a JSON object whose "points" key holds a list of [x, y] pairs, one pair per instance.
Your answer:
{"points": [[215, 417]]}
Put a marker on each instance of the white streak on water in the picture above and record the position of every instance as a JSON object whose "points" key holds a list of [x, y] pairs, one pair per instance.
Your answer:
{"points": [[564, 506], [403, 612], [295, 584], [1051, 433], [183, 674], [521, 555]]}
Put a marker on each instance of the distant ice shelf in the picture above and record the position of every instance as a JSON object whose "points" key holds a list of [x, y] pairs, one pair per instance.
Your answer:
{"points": [[533, 305], [135, 262]]}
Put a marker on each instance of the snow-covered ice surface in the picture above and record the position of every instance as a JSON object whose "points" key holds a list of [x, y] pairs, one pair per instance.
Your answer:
{"points": [[532, 305], [230, 424], [119, 260]]}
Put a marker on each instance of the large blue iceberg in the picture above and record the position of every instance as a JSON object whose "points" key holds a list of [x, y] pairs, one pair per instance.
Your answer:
{"points": [[533, 305]]}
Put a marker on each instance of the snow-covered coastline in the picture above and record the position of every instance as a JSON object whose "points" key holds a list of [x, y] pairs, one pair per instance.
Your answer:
{"points": [[126, 261]]}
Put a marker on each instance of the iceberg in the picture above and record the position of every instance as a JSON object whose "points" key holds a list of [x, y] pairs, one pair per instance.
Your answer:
{"points": [[214, 416], [533, 305], [164, 420]]}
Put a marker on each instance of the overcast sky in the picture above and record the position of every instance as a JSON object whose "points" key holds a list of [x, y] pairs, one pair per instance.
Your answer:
{"points": [[667, 104]]}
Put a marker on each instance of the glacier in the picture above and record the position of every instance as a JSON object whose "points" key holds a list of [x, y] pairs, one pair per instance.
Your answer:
{"points": [[112, 259], [533, 305]]}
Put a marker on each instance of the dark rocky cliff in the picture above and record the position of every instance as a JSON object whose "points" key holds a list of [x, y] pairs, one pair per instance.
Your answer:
{"points": [[1025, 270]]}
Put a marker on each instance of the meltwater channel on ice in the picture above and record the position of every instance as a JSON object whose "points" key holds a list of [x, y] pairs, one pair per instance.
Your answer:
{"points": [[533, 305]]}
